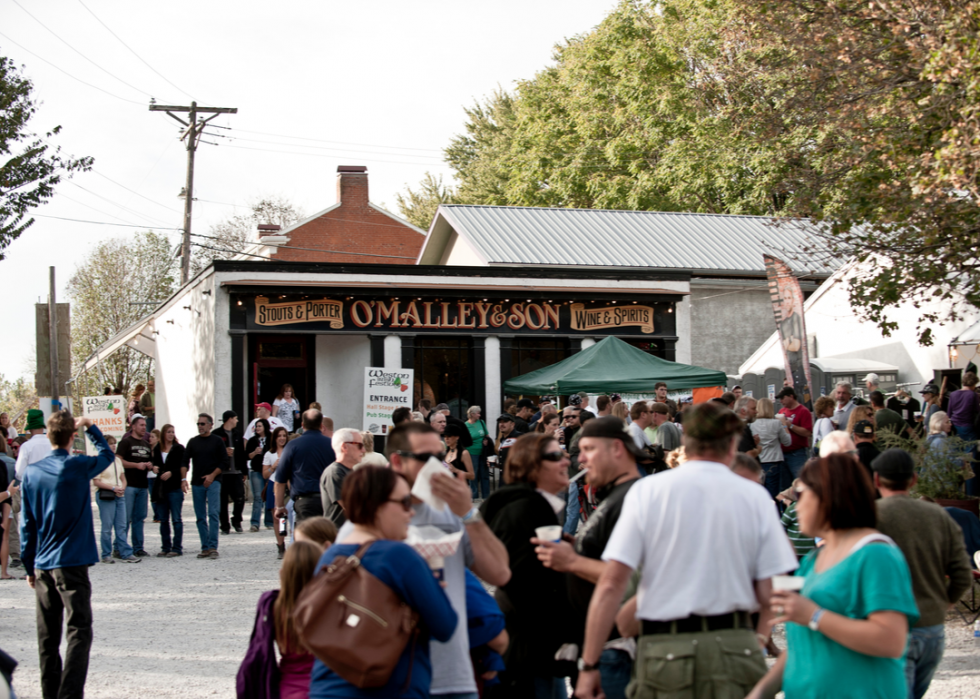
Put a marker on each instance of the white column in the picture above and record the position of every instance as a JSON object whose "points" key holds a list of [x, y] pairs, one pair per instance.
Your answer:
{"points": [[587, 342], [492, 376], [393, 352], [682, 350]]}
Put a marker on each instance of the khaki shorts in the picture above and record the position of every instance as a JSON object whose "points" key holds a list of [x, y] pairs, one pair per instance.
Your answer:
{"points": [[723, 664]]}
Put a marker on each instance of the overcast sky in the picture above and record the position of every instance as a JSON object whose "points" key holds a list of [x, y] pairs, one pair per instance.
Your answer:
{"points": [[380, 83]]}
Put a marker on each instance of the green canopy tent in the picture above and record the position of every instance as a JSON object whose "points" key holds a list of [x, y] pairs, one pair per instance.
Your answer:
{"points": [[612, 366]]}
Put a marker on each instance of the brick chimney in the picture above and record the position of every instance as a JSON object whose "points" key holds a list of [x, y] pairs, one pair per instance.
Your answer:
{"points": [[269, 229], [352, 185]]}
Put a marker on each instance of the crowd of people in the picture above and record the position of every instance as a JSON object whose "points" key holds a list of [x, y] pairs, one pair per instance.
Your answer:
{"points": [[650, 547]]}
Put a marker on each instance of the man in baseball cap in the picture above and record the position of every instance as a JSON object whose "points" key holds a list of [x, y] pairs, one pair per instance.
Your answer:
{"points": [[932, 542], [263, 411], [871, 382], [864, 438]]}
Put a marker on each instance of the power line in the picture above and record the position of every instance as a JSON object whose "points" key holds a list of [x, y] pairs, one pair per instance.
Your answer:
{"points": [[131, 50], [50, 31], [333, 252], [62, 195], [234, 252], [124, 208], [338, 150], [106, 223], [324, 155], [320, 140], [177, 211], [96, 87]]}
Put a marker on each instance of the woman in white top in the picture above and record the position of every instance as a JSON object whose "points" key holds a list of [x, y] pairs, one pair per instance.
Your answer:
{"points": [[770, 434], [279, 439], [823, 411], [110, 494], [286, 407], [7, 430]]}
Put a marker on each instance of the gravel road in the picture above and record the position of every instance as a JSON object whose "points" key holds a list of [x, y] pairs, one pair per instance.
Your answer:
{"points": [[178, 627]]}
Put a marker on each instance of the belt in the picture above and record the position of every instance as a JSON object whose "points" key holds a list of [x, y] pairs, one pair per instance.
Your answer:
{"points": [[305, 495], [696, 624]]}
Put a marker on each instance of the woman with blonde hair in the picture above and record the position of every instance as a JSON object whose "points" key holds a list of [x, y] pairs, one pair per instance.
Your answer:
{"points": [[620, 410], [286, 407], [860, 412]]}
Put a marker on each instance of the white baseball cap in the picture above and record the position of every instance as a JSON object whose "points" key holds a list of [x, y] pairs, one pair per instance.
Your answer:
{"points": [[873, 378]]}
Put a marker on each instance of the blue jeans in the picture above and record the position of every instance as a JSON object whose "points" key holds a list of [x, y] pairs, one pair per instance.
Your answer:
{"points": [[170, 507], [795, 461], [458, 695], [482, 477], [256, 482], [550, 688], [615, 668], [572, 513], [207, 503], [135, 514], [968, 434], [776, 472], [112, 514], [926, 645]]}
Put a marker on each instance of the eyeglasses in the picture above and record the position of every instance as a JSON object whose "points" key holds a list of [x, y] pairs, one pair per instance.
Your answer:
{"points": [[553, 455], [405, 502], [203, 424], [356, 444], [423, 456]]}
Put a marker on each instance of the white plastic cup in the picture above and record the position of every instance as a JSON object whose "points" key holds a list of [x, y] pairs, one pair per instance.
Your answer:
{"points": [[549, 533], [787, 583], [438, 566]]}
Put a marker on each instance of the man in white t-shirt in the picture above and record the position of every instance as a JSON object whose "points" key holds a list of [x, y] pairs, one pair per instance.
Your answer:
{"points": [[263, 411], [640, 415], [708, 542]]}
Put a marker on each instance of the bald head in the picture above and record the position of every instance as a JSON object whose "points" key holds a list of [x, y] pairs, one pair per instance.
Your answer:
{"points": [[312, 420]]}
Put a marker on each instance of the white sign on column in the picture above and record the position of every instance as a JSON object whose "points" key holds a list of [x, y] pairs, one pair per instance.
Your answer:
{"points": [[385, 390], [109, 415]]}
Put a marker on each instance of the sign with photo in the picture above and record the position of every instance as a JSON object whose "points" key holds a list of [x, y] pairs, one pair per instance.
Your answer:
{"points": [[385, 390], [109, 415]]}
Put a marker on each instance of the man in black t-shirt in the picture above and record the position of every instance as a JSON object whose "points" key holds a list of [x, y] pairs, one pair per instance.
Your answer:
{"points": [[610, 454], [234, 474], [135, 454], [906, 406], [204, 458]]}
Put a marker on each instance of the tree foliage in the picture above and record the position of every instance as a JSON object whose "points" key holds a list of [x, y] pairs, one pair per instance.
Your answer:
{"points": [[419, 206], [117, 274], [29, 167], [230, 237], [862, 115], [16, 397]]}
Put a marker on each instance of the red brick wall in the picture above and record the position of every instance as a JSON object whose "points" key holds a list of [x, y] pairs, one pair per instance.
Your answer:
{"points": [[353, 227]]}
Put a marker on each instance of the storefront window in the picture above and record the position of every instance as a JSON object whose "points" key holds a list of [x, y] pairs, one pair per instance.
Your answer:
{"points": [[658, 348], [530, 355], [442, 372]]}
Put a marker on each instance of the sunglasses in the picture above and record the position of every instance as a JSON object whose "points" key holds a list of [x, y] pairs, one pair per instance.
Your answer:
{"points": [[423, 456], [405, 502], [553, 456], [203, 424], [357, 444]]}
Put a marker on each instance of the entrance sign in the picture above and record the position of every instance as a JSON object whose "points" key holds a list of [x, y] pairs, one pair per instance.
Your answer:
{"points": [[385, 390], [473, 315], [109, 415]]}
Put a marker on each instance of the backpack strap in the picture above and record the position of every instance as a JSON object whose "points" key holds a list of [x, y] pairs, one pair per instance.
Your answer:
{"points": [[877, 537]]}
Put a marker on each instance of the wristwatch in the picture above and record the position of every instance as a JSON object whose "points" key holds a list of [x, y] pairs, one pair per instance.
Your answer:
{"points": [[586, 667], [815, 619], [472, 516]]}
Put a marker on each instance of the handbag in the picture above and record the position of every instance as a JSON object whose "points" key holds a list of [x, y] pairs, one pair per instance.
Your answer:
{"points": [[109, 494], [488, 447], [354, 623]]}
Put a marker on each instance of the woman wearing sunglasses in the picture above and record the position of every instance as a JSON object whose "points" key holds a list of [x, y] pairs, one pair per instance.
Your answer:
{"points": [[378, 502], [535, 601], [847, 629]]}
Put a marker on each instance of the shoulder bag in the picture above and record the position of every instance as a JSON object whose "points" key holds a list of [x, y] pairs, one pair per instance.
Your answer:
{"points": [[110, 494], [488, 446], [354, 623]]}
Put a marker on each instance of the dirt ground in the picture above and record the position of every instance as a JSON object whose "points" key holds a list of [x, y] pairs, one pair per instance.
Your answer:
{"points": [[179, 627]]}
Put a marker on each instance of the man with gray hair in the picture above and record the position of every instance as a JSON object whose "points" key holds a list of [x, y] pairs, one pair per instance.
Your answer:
{"points": [[348, 445], [844, 395]]}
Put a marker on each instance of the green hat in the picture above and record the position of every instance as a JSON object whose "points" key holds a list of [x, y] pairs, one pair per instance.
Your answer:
{"points": [[35, 420]]}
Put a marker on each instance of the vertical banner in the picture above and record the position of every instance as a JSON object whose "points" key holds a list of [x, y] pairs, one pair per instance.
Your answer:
{"points": [[787, 305], [385, 390], [109, 415]]}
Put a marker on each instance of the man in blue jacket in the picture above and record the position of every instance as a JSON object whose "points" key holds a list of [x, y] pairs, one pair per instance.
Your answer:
{"points": [[58, 541]]}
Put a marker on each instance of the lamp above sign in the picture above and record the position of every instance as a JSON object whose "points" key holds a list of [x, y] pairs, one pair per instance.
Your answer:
{"points": [[479, 316]]}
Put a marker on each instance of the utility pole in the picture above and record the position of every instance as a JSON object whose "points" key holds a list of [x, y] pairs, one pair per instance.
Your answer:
{"points": [[53, 344], [193, 129]]}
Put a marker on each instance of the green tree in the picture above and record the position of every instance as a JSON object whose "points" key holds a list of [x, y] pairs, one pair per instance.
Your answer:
{"points": [[29, 167], [16, 397], [230, 237], [103, 289], [419, 206]]}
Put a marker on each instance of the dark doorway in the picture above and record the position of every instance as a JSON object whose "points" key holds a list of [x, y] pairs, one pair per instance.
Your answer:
{"points": [[278, 360], [443, 372]]}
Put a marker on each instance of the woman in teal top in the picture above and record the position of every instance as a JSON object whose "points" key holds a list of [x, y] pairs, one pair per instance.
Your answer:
{"points": [[846, 632]]}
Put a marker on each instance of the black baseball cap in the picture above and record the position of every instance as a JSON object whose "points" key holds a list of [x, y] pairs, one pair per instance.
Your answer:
{"points": [[525, 403], [893, 463], [930, 388], [611, 427], [574, 399], [505, 417], [864, 428]]}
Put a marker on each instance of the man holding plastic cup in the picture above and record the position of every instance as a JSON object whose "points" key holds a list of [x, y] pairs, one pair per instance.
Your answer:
{"points": [[609, 454], [708, 542]]}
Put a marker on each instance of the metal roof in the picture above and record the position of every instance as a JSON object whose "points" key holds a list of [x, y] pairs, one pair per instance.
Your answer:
{"points": [[701, 243]]}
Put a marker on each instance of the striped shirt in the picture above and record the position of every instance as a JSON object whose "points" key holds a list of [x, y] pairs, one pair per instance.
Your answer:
{"points": [[801, 544]]}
